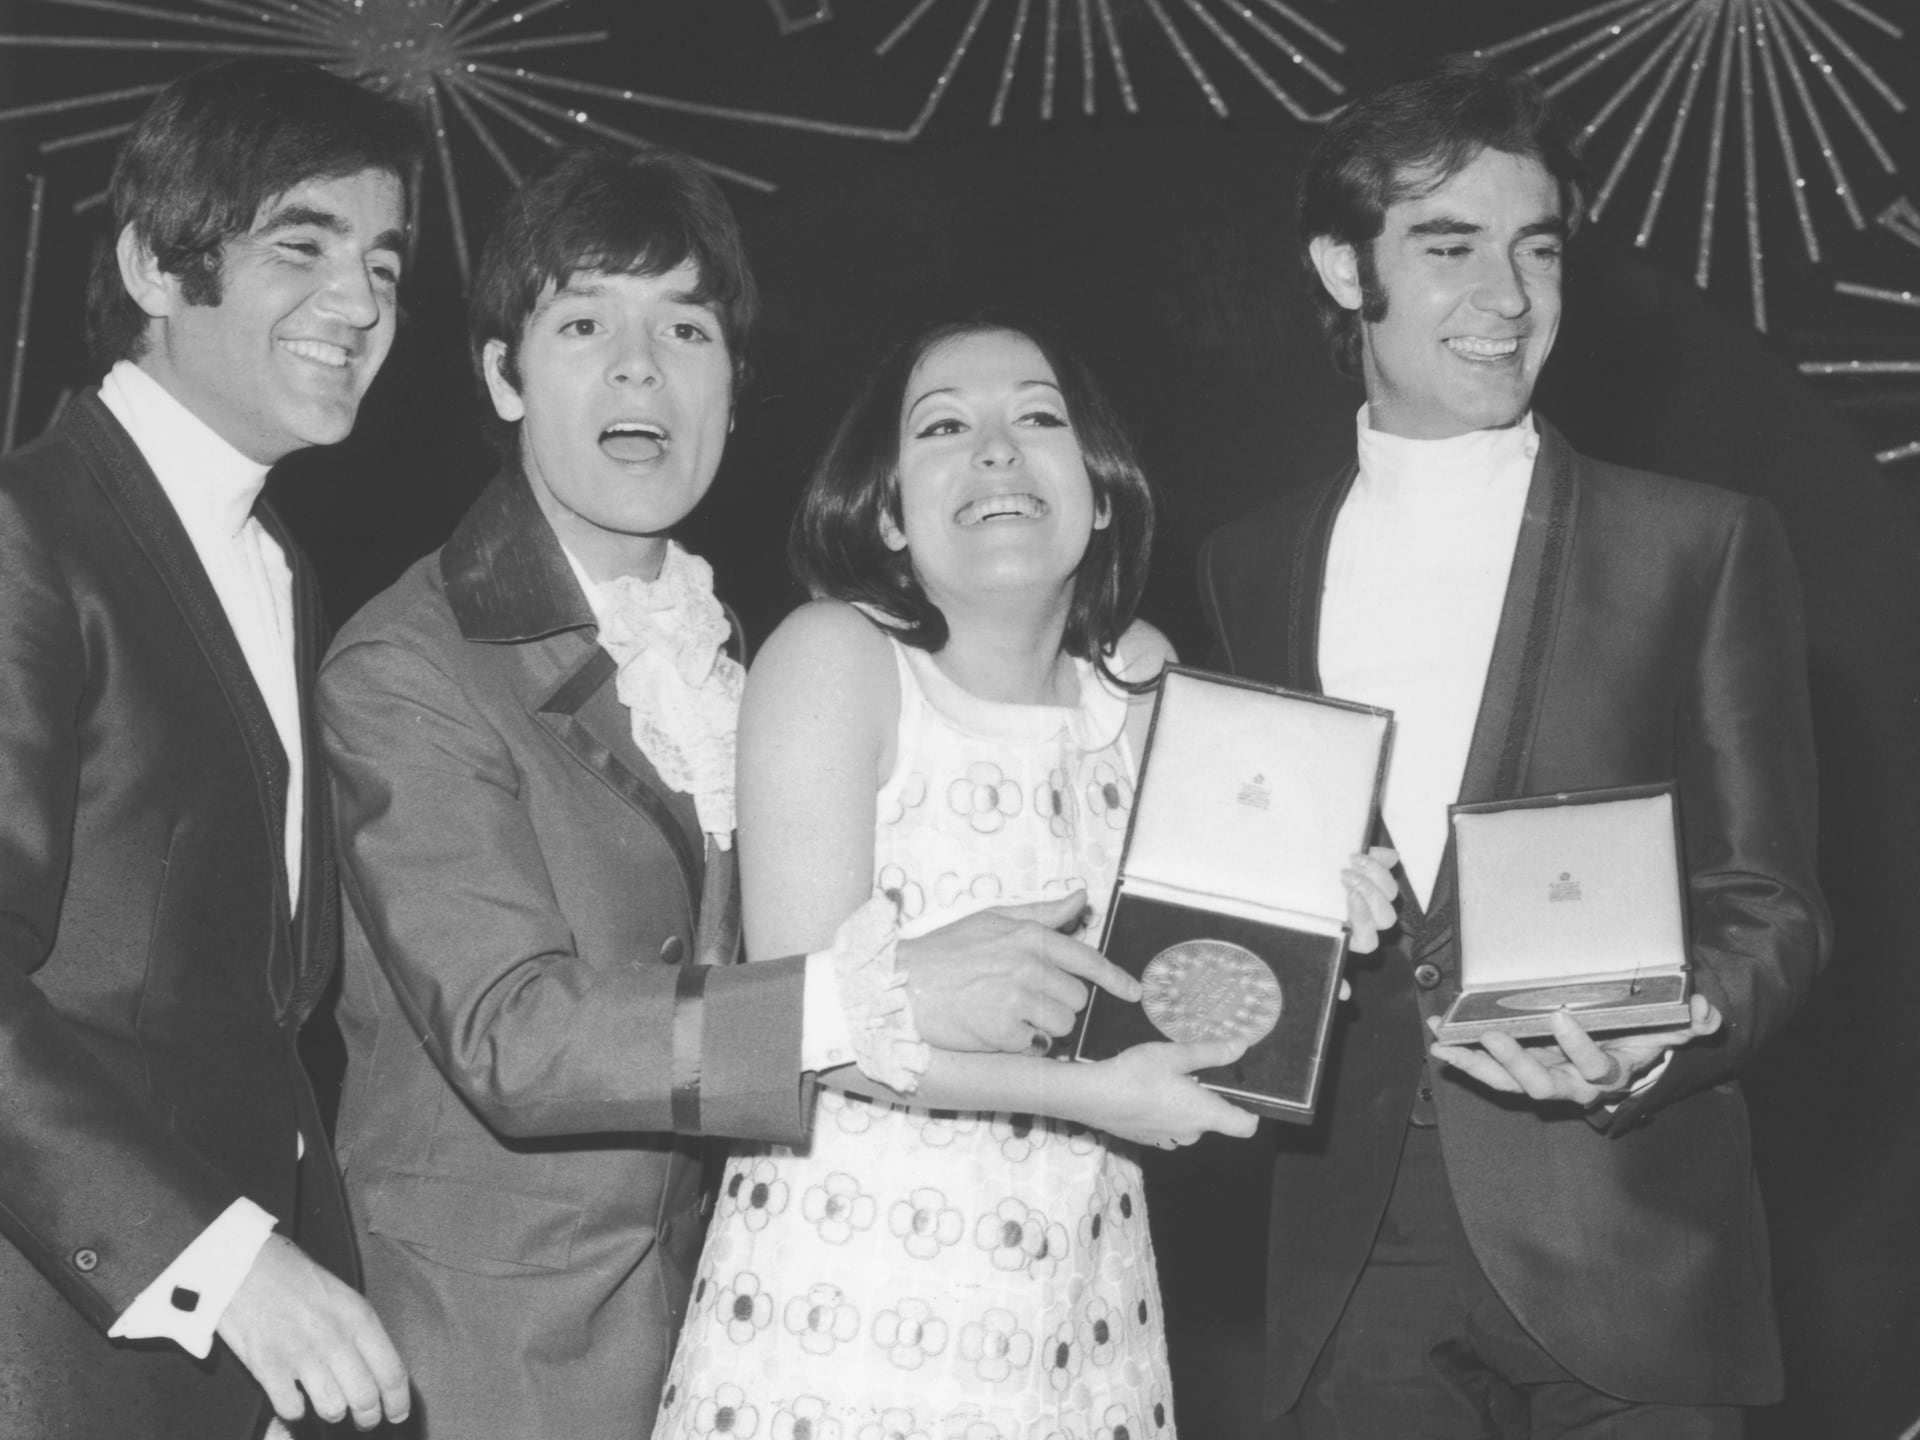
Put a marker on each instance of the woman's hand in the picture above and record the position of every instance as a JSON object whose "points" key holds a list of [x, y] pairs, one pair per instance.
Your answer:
{"points": [[1371, 891], [1149, 1096]]}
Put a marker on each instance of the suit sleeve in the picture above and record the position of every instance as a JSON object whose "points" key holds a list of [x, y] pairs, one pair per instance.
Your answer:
{"points": [[1744, 758], [444, 869], [94, 1189]]}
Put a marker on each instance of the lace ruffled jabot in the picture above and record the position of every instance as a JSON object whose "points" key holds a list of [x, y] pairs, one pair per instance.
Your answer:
{"points": [[681, 690], [873, 993]]}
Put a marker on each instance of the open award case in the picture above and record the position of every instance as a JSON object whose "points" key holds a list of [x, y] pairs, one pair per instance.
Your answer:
{"points": [[1229, 905], [1570, 902]]}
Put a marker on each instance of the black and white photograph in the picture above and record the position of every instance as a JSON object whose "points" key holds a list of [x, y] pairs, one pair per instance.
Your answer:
{"points": [[585, 849]]}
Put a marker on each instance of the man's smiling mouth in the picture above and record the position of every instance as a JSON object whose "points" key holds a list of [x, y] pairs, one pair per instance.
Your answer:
{"points": [[1475, 347], [320, 352], [1013, 506]]}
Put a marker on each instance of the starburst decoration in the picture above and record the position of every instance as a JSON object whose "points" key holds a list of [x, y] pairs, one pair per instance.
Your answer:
{"points": [[1903, 220], [465, 63], [1788, 75], [793, 16], [1084, 37], [462, 61]]}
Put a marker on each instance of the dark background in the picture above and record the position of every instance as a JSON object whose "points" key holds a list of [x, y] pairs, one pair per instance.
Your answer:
{"points": [[1162, 241]]}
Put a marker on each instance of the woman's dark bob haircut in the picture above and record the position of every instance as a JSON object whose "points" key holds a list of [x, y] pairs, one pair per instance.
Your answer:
{"points": [[836, 547], [642, 212], [1406, 142]]}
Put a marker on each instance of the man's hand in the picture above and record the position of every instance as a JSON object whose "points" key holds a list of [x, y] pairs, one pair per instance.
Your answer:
{"points": [[1005, 979], [295, 1327], [1371, 891], [1579, 1068]]}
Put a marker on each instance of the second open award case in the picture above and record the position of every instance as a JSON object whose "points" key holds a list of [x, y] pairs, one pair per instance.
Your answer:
{"points": [[1570, 902], [1229, 905]]}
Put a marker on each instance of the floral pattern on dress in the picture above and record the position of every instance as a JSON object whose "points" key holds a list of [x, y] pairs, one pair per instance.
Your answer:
{"points": [[726, 1415], [893, 1425], [1053, 798], [910, 1334], [985, 797], [1102, 1329], [943, 1127], [837, 1207], [806, 1419], [850, 1114], [909, 899], [954, 891], [925, 1274], [1019, 1237], [759, 1192], [1109, 796], [926, 1224], [996, 1345], [822, 1319], [913, 794], [1019, 1136], [1065, 1356], [744, 1308]]}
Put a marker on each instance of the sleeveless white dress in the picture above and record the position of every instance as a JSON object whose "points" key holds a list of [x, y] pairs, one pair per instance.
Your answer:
{"points": [[933, 1275]]}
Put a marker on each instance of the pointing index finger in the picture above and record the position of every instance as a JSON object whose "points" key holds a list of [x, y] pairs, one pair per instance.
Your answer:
{"points": [[1090, 965], [1057, 914]]}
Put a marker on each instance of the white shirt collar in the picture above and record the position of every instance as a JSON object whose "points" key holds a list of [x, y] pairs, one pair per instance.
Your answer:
{"points": [[211, 484], [1454, 472]]}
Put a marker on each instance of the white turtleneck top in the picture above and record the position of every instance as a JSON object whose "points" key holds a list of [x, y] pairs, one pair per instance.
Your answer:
{"points": [[1416, 575], [212, 488]]}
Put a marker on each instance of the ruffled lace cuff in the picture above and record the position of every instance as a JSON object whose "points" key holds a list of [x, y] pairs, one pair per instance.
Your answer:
{"points": [[886, 1045]]}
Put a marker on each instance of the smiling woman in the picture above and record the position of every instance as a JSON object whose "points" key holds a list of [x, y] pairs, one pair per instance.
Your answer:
{"points": [[853, 512], [993, 493], [913, 746]]}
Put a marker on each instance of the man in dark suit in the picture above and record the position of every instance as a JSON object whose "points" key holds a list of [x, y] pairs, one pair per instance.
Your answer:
{"points": [[167, 911], [1498, 1239], [531, 735]]}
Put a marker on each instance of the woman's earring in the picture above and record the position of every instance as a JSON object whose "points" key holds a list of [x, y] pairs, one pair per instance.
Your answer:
{"points": [[890, 532]]}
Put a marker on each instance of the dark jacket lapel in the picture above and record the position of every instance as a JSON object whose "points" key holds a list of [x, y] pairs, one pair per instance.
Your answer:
{"points": [[509, 583], [316, 911], [1309, 582], [129, 484], [1509, 711]]}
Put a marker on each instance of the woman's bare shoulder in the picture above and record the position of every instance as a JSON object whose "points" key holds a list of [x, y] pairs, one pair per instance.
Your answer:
{"points": [[826, 663], [824, 633]]}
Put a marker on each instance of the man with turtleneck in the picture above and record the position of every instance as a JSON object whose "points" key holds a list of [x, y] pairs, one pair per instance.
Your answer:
{"points": [[167, 909], [1496, 1239]]}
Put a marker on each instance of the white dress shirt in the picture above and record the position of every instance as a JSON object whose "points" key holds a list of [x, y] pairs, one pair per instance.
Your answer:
{"points": [[213, 487], [1416, 574]]}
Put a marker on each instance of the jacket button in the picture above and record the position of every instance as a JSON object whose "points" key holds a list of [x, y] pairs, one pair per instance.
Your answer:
{"points": [[1426, 976], [672, 949], [86, 1261]]}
